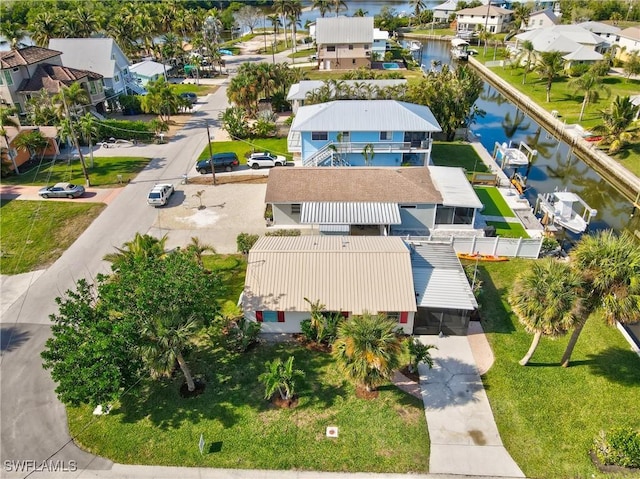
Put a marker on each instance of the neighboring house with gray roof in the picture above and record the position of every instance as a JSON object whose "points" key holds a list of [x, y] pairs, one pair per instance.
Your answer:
{"points": [[349, 89], [629, 41], [418, 201], [339, 133], [26, 71], [608, 33], [562, 38], [148, 71], [540, 19], [442, 12], [100, 55], [344, 43]]}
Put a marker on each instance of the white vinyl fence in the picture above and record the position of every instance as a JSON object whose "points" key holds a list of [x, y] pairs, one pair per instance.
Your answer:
{"points": [[496, 246]]}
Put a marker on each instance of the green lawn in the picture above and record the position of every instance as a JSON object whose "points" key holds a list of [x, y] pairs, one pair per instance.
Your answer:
{"points": [[36, 233], [104, 173], [303, 53], [242, 148], [547, 415], [508, 230], [493, 201], [232, 268], [457, 154], [200, 90], [243, 430]]}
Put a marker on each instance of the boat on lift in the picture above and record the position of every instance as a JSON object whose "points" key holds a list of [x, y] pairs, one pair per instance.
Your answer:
{"points": [[459, 48], [565, 209], [415, 46], [510, 156]]}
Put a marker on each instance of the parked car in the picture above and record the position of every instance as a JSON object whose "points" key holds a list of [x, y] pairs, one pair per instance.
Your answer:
{"points": [[221, 162], [260, 160], [160, 194], [113, 143], [62, 190], [190, 97]]}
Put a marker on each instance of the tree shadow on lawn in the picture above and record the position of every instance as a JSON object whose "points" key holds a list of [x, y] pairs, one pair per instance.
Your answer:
{"points": [[231, 386], [495, 317], [616, 364]]}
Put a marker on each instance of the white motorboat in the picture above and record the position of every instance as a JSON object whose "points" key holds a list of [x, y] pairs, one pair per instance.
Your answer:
{"points": [[565, 209], [415, 46], [510, 156], [459, 48]]}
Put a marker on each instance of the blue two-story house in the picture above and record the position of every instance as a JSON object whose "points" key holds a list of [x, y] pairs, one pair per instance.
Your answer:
{"points": [[363, 133]]}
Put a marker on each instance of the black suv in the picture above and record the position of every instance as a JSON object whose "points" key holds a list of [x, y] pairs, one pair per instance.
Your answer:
{"points": [[221, 162]]}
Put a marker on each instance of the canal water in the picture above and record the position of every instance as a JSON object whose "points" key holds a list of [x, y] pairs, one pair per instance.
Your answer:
{"points": [[555, 166]]}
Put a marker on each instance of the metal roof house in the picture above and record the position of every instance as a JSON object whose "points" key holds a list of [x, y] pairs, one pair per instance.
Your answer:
{"points": [[148, 71], [363, 132], [421, 286], [300, 92], [495, 19], [562, 38], [352, 275], [432, 201], [101, 55], [344, 43]]}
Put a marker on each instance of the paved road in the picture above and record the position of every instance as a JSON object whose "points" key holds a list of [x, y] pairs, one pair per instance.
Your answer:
{"points": [[33, 422]]}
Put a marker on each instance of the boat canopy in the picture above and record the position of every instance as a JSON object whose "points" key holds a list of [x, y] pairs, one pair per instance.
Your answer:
{"points": [[459, 42]]}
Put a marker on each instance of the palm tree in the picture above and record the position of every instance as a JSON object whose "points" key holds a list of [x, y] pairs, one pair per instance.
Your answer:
{"points": [[590, 84], [87, 20], [610, 265], [282, 8], [13, 33], [8, 117], [368, 152], [198, 248], [33, 142], [549, 66], [161, 100], [367, 349], [546, 298], [44, 27], [617, 121], [527, 56], [360, 13], [338, 6], [280, 376], [163, 341], [141, 246], [417, 6], [323, 6], [521, 15], [88, 131]]}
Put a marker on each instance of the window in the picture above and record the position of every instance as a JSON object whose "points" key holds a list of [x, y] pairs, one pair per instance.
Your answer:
{"points": [[540, 22], [7, 78], [350, 47], [399, 317], [319, 136], [408, 206], [353, 61], [449, 215], [366, 47], [345, 137], [92, 88], [385, 135], [394, 316], [331, 48], [270, 316], [295, 209], [1, 80], [116, 78]]}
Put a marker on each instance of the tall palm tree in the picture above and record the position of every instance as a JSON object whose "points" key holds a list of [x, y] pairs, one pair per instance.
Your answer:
{"points": [[521, 15], [44, 27], [360, 13], [323, 6], [339, 6], [88, 131], [549, 65], [8, 117], [610, 265], [164, 340], [546, 298], [618, 119], [87, 19], [33, 142], [526, 58], [417, 6], [591, 85], [367, 349]]}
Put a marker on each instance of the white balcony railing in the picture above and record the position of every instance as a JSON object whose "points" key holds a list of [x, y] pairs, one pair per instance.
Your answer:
{"points": [[423, 146]]}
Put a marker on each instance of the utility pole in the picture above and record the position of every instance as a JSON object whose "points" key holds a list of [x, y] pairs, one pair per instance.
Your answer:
{"points": [[213, 167], [75, 137]]}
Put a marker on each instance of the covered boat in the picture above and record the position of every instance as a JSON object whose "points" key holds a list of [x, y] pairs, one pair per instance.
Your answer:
{"points": [[511, 156], [459, 49], [565, 209]]}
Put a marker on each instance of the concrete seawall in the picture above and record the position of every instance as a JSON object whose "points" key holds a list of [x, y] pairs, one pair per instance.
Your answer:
{"points": [[618, 176]]}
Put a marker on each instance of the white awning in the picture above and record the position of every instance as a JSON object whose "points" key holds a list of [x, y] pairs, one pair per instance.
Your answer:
{"points": [[334, 228], [354, 213]]}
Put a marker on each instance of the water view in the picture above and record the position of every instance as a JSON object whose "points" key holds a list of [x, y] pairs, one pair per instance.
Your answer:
{"points": [[555, 165]]}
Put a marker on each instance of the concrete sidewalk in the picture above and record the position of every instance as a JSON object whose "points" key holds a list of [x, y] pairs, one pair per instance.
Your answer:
{"points": [[464, 436]]}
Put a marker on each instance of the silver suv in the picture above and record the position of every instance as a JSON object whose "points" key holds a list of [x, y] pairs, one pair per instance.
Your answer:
{"points": [[160, 194]]}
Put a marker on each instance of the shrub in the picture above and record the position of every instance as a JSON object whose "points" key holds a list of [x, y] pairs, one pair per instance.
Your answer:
{"points": [[130, 104], [618, 447], [283, 232], [245, 242], [242, 333], [578, 70], [419, 353], [125, 129], [264, 128], [234, 122]]}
